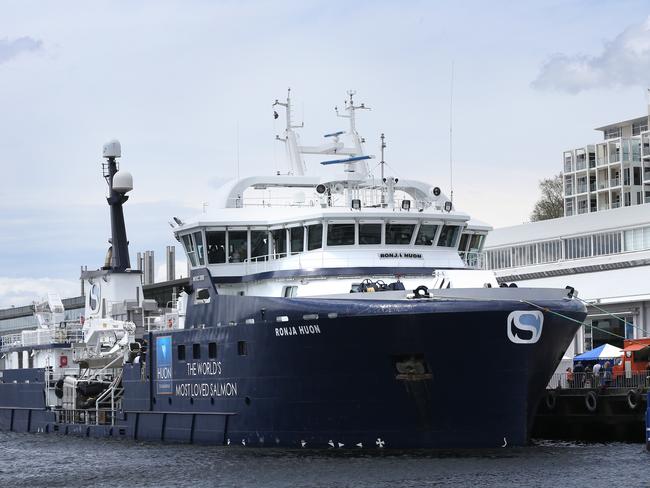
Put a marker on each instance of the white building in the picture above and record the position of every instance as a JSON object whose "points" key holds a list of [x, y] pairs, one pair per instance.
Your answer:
{"points": [[609, 174]]}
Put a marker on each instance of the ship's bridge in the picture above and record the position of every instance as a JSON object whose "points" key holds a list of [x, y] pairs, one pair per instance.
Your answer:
{"points": [[246, 241]]}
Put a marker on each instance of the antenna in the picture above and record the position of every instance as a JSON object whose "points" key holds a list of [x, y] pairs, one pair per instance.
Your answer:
{"points": [[237, 150], [451, 139], [382, 163]]}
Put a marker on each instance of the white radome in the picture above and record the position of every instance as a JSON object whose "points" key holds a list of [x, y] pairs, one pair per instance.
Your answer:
{"points": [[122, 182], [112, 149]]}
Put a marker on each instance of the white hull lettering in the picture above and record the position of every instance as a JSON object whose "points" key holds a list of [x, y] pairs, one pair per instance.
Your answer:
{"points": [[206, 368], [227, 389], [300, 330]]}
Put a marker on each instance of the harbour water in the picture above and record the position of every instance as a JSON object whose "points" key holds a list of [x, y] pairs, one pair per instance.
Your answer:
{"points": [[55, 461]]}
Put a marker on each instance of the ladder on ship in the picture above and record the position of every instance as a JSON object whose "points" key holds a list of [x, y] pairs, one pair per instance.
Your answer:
{"points": [[109, 400]]}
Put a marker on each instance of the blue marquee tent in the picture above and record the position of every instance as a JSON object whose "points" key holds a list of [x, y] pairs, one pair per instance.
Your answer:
{"points": [[606, 351]]}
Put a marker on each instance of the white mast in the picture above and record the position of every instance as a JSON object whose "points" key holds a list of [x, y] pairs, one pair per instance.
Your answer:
{"points": [[296, 162]]}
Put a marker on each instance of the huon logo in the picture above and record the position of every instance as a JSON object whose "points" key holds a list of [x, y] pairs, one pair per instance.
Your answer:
{"points": [[525, 327]]}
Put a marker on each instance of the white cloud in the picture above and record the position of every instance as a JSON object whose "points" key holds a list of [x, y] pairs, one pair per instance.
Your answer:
{"points": [[23, 291], [623, 61], [11, 49]]}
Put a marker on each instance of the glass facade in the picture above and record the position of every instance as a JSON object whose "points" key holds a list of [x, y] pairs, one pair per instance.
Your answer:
{"points": [[579, 247]]}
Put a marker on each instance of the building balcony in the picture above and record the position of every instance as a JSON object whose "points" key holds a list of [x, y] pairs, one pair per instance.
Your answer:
{"points": [[615, 182], [582, 189], [592, 186], [568, 192], [616, 204], [602, 185]]}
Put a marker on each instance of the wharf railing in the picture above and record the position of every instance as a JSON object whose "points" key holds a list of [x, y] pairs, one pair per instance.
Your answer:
{"points": [[603, 379]]}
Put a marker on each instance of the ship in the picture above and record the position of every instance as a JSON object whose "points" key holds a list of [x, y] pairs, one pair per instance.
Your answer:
{"points": [[340, 311]]}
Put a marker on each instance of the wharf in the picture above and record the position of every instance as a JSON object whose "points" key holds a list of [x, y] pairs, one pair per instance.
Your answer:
{"points": [[586, 412]]}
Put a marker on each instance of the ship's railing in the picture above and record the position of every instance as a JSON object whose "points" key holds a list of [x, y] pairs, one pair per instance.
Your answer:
{"points": [[412, 257], [102, 416], [473, 259], [66, 334], [336, 201], [603, 379]]}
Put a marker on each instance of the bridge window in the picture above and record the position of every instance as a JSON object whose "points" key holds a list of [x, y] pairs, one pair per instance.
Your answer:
{"points": [[181, 352], [238, 245], [476, 242], [189, 249], [216, 243], [448, 235], [399, 233], [279, 242], [314, 236], [297, 235], [369, 234], [196, 351], [212, 350], [340, 235], [464, 239], [426, 234], [200, 250], [259, 245]]}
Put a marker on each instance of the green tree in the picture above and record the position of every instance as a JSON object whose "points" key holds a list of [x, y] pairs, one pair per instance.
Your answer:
{"points": [[551, 203]]}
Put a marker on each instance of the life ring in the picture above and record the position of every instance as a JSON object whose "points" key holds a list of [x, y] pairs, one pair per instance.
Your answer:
{"points": [[421, 292], [591, 401], [633, 399], [550, 400]]}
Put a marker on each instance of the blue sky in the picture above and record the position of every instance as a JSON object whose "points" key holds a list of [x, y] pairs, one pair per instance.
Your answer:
{"points": [[173, 80]]}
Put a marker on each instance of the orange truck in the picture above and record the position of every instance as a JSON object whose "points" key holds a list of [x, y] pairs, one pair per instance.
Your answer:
{"points": [[633, 369]]}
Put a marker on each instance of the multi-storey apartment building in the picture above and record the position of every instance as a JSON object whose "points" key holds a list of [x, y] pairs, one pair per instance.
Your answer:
{"points": [[609, 174]]}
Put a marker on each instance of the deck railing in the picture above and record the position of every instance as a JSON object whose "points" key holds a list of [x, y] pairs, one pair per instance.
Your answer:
{"points": [[66, 334], [601, 380]]}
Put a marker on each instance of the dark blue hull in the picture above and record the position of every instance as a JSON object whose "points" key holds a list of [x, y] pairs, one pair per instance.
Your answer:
{"points": [[374, 373]]}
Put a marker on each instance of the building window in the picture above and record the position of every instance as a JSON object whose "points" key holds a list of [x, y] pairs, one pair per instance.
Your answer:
{"points": [[242, 348], [196, 351], [180, 352], [212, 350]]}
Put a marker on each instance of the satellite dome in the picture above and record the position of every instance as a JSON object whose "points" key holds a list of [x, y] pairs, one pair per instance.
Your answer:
{"points": [[122, 182], [112, 149]]}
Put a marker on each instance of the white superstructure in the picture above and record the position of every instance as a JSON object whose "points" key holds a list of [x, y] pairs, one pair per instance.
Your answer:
{"points": [[293, 234]]}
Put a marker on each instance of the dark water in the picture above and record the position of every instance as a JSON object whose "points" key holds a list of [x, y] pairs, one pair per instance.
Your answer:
{"points": [[50, 461]]}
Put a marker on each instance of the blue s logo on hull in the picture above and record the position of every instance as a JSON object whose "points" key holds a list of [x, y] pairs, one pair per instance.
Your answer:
{"points": [[164, 376], [525, 327]]}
